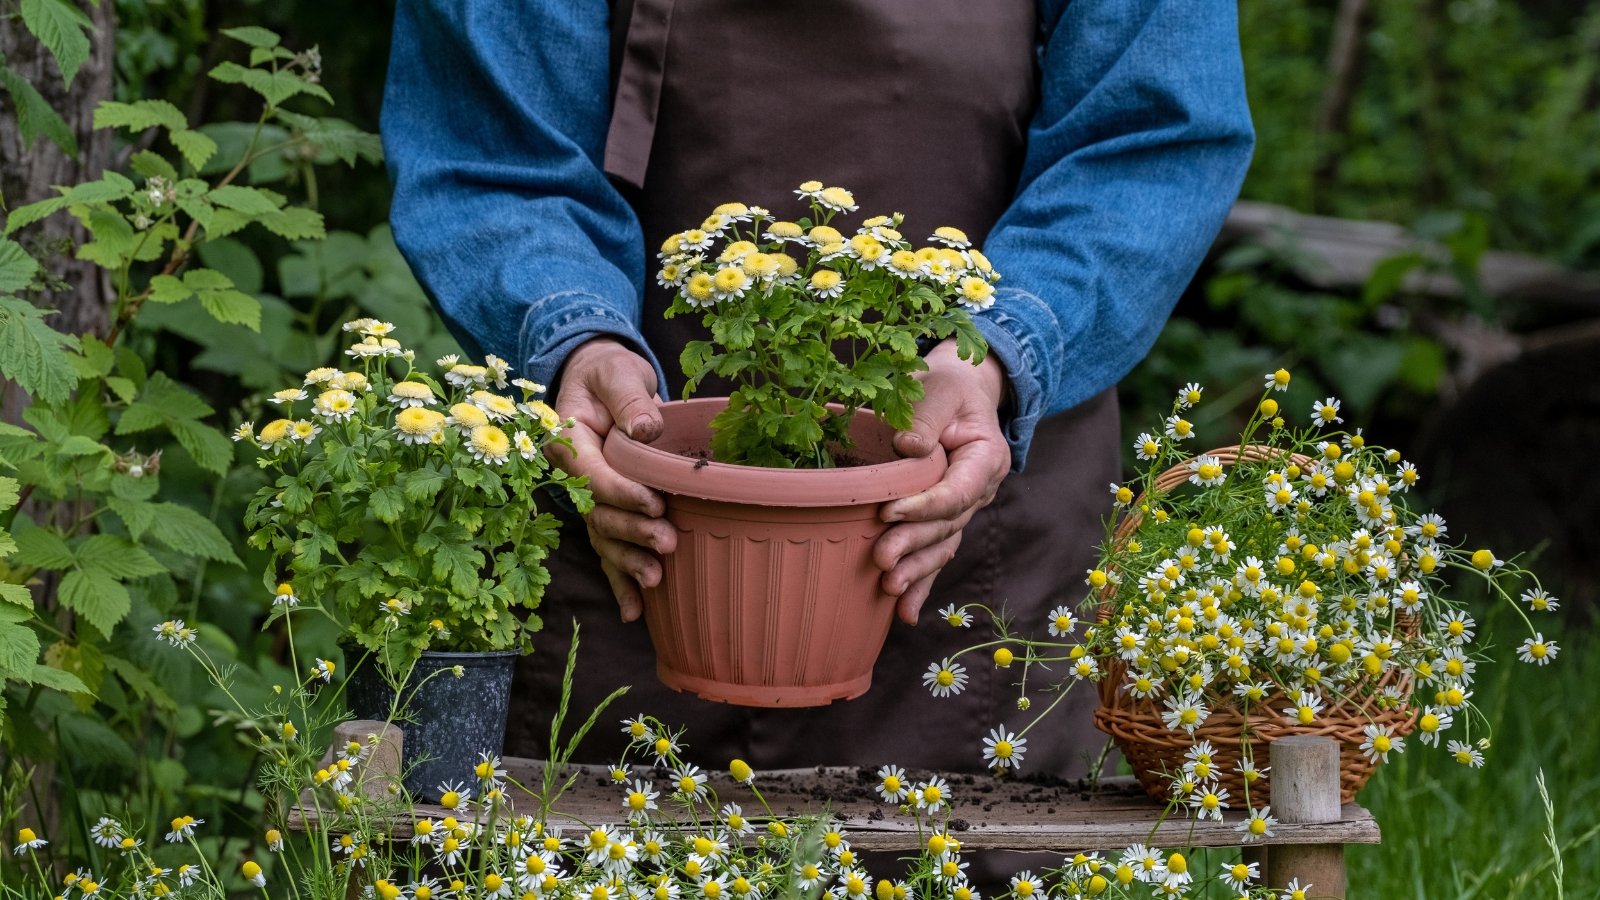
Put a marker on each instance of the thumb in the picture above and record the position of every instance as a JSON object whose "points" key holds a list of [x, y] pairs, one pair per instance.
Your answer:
{"points": [[629, 393], [928, 421]]}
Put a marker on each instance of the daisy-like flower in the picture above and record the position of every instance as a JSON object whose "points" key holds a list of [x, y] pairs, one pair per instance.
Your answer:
{"points": [[323, 669], [827, 284], [932, 795], [288, 395], [107, 833], [354, 382], [27, 841], [956, 617], [690, 782], [488, 770], [1121, 494], [275, 434], [1241, 875], [549, 419], [977, 294], [1381, 741], [1146, 862], [525, 446], [407, 394], [245, 432], [305, 431], [1003, 749], [1326, 412], [1537, 650], [1206, 471], [1146, 446], [808, 190], [251, 871], [729, 283], [1209, 800], [499, 369], [1539, 601], [1466, 754], [416, 425], [892, 786], [174, 632], [1306, 709], [285, 596], [1294, 890], [452, 794], [321, 375], [183, 828], [1189, 395], [466, 416], [1178, 428], [463, 375], [1258, 825], [945, 678], [733, 819], [640, 798], [1024, 885], [837, 199], [1062, 622], [1278, 381], [335, 405], [1186, 712], [951, 237], [496, 407], [1434, 721]]}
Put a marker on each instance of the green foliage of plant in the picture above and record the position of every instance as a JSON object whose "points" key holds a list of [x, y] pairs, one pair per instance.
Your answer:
{"points": [[414, 529], [777, 323]]}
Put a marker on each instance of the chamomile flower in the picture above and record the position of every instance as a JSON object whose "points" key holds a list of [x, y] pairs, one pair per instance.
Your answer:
{"points": [[1537, 650], [1208, 800], [323, 669], [1539, 601], [1381, 741], [1206, 471], [288, 395], [305, 431], [407, 394], [285, 596], [27, 841], [690, 782], [931, 795], [1146, 446], [1434, 721], [488, 770], [417, 425], [252, 873], [183, 828], [1278, 380], [1178, 428], [1062, 622], [1259, 825], [956, 617], [176, 633], [1186, 712], [335, 405], [1466, 754], [1003, 749], [892, 784], [107, 833], [640, 798], [245, 432], [945, 678], [1189, 395]]}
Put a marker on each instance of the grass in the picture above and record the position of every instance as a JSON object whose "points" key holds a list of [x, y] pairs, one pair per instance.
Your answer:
{"points": [[1450, 833]]}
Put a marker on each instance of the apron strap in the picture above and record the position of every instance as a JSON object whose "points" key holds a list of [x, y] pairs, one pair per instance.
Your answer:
{"points": [[638, 97]]}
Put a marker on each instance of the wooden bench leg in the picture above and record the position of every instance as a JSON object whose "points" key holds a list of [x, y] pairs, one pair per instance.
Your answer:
{"points": [[1305, 791]]}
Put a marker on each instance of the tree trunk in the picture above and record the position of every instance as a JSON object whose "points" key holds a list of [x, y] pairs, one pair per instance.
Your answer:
{"points": [[83, 297]]}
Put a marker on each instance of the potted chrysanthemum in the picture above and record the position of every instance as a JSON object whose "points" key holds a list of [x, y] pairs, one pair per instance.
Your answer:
{"points": [[771, 598], [1283, 585], [404, 506]]}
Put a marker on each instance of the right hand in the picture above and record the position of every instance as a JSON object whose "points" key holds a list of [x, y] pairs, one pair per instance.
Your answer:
{"points": [[606, 385]]}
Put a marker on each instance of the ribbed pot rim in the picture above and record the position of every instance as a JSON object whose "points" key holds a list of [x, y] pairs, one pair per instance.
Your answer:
{"points": [[662, 465]]}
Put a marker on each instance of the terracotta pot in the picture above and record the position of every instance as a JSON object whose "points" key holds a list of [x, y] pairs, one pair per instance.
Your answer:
{"points": [[771, 597]]}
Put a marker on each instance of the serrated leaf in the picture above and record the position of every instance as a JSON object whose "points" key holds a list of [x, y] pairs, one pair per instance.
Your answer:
{"points": [[139, 115], [168, 289], [274, 87], [79, 445], [33, 354], [42, 549], [62, 28], [254, 35], [197, 149], [211, 451], [35, 116], [98, 599], [188, 532], [140, 681], [55, 679], [110, 186], [23, 216], [124, 389], [116, 557], [422, 485], [153, 165], [88, 740], [137, 516], [206, 279], [9, 493], [233, 308], [19, 648], [162, 402], [17, 594], [296, 223], [249, 201], [225, 222], [387, 503], [16, 267]]}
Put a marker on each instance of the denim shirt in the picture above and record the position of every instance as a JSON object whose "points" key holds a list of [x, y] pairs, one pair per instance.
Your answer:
{"points": [[494, 122]]}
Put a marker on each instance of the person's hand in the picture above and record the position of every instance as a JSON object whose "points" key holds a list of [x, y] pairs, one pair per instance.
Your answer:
{"points": [[606, 385], [960, 409]]}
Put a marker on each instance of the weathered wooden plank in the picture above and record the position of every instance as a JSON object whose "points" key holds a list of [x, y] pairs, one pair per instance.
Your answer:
{"points": [[989, 813]]}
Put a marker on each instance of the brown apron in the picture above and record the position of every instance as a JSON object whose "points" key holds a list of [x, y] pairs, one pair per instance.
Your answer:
{"points": [[918, 106]]}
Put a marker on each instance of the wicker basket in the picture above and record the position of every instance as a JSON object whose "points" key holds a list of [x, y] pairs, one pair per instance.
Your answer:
{"points": [[1154, 751]]}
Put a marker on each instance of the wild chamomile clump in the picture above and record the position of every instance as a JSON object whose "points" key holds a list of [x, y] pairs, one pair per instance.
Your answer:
{"points": [[802, 315], [404, 505], [1289, 584]]}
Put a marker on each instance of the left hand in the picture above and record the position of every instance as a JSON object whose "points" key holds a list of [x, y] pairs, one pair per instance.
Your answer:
{"points": [[960, 410]]}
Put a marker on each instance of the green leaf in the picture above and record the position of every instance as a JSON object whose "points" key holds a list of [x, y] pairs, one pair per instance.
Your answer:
{"points": [[235, 260], [35, 116], [42, 549], [422, 485], [16, 267], [233, 308], [23, 216], [249, 201], [117, 557], [162, 402], [141, 682], [88, 740], [168, 289], [80, 445], [254, 35], [139, 115], [124, 389], [274, 87], [153, 165], [33, 354], [9, 493], [455, 562], [188, 532], [335, 136], [211, 450], [19, 647], [55, 679], [62, 28], [196, 148], [1387, 276], [295, 224], [98, 599], [17, 594], [137, 516], [387, 503]]}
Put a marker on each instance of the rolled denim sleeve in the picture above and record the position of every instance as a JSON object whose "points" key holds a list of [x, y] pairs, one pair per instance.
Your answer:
{"points": [[1135, 154], [494, 123]]}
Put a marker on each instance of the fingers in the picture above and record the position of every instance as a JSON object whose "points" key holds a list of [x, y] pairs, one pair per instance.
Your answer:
{"points": [[909, 606], [907, 538], [627, 385], [634, 528], [629, 559], [610, 487], [975, 472], [630, 603], [928, 422], [916, 572]]}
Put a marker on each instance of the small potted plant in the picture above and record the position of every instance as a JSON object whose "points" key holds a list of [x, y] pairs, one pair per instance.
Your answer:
{"points": [[771, 598], [1283, 585], [404, 507]]}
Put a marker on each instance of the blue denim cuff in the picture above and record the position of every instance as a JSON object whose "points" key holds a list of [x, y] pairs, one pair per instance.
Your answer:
{"points": [[557, 324], [1023, 334]]}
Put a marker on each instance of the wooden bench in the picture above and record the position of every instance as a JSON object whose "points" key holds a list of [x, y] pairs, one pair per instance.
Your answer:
{"points": [[1026, 814]]}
